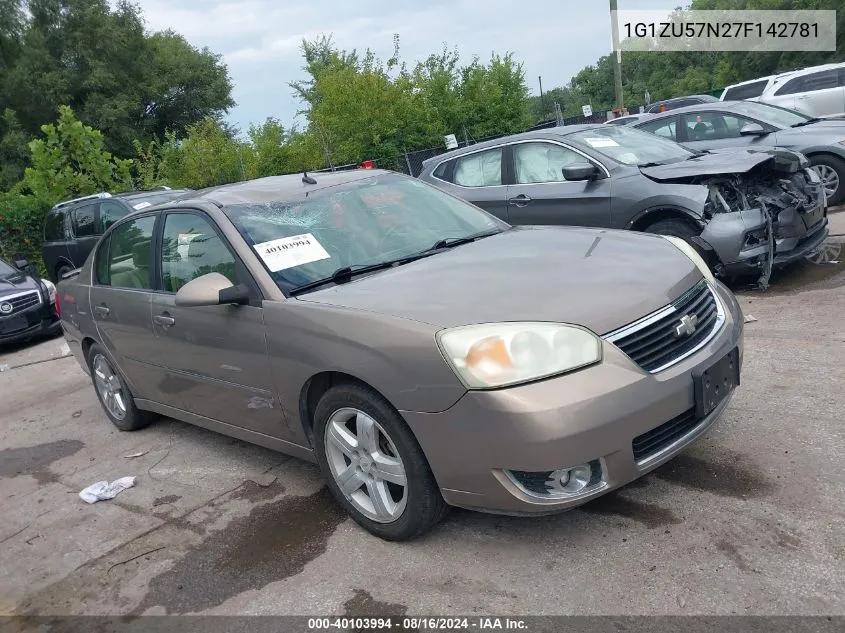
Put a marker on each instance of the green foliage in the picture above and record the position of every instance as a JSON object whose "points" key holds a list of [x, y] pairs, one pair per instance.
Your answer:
{"points": [[97, 58], [362, 108], [72, 161]]}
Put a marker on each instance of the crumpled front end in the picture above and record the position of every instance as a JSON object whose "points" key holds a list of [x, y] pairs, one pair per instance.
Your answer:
{"points": [[768, 217]]}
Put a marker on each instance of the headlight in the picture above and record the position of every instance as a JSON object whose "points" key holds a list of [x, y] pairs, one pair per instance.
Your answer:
{"points": [[690, 252], [497, 354], [51, 289]]}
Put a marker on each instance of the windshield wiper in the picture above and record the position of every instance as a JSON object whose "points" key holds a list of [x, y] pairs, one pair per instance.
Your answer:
{"points": [[652, 164], [345, 274], [451, 242], [807, 122]]}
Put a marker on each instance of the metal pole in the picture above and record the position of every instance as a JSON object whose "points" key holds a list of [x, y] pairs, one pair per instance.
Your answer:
{"points": [[542, 99], [617, 66]]}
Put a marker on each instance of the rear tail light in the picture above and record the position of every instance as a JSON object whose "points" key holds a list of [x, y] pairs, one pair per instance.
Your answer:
{"points": [[58, 307], [367, 164]]}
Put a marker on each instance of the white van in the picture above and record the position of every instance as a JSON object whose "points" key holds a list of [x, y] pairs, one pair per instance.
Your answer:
{"points": [[748, 90]]}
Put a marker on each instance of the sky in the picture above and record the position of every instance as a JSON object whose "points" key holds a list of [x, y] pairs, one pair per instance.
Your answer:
{"points": [[260, 39]]}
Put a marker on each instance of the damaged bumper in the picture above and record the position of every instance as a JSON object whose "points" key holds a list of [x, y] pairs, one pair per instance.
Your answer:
{"points": [[766, 219]]}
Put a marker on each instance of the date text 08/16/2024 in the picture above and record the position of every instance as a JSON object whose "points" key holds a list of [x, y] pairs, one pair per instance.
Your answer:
{"points": [[416, 623]]}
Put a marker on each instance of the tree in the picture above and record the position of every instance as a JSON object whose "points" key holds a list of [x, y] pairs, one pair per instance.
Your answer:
{"points": [[98, 59], [72, 161]]}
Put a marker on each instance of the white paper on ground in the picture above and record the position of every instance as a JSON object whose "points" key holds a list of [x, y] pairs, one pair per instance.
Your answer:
{"points": [[289, 252], [103, 490], [750, 318]]}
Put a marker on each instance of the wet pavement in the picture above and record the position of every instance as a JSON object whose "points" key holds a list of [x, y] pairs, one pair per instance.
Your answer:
{"points": [[749, 520]]}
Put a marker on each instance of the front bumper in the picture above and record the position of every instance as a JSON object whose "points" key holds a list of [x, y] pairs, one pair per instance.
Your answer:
{"points": [[39, 320], [592, 414]]}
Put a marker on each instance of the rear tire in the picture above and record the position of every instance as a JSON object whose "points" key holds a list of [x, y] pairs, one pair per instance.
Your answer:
{"points": [[831, 169], [359, 436], [113, 394]]}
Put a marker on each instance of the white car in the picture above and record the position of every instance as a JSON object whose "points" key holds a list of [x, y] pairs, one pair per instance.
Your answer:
{"points": [[748, 90], [817, 92]]}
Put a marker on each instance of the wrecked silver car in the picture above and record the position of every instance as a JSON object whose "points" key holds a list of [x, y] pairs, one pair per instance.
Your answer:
{"points": [[746, 211]]}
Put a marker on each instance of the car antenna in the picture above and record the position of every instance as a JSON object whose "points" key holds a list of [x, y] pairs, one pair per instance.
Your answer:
{"points": [[308, 180]]}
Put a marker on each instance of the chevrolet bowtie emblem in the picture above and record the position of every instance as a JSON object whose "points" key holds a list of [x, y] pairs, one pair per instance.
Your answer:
{"points": [[687, 325]]}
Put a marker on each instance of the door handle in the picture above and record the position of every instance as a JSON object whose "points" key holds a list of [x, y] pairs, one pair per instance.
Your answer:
{"points": [[520, 201], [101, 311], [164, 320]]}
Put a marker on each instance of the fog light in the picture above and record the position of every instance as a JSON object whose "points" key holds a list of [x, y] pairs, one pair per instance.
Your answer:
{"points": [[571, 480], [561, 483]]}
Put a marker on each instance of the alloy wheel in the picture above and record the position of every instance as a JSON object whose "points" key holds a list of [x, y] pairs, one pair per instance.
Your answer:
{"points": [[109, 387], [365, 465], [830, 179]]}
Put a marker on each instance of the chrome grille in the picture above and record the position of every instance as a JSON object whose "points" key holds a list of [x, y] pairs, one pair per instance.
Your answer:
{"points": [[669, 335], [21, 302]]}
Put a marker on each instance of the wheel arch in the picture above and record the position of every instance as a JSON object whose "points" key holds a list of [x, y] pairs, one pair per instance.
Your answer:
{"points": [[315, 388], [642, 220]]}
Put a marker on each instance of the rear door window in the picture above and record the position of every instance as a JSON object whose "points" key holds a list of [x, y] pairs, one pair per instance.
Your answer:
{"points": [[481, 169], [124, 260], [84, 224], [822, 80]]}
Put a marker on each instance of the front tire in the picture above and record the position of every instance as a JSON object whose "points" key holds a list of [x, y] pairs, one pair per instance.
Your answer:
{"points": [[832, 172], [113, 393], [373, 464]]}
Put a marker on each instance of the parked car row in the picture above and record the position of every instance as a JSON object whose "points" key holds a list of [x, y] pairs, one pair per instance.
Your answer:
{"points": [[745, 211]]}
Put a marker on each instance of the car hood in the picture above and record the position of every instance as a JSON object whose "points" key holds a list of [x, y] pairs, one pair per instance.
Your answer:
{"points": [[827, 131], [600, 279], [725, 161], [16, 284]]}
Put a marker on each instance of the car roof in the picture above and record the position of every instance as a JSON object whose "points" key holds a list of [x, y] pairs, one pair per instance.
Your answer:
{"points": [[276, 188], [547, 133], [718, 106]]}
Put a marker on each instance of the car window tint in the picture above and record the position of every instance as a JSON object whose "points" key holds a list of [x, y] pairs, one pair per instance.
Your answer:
{"points": [[54, 226], [709, 126], [791, 87], [83, 221], [821, 81], [542, 162], [191, 248], [110, 212], [482, 169], [440, 170], [746, 91], [664, 127], [101, 263], [127, 263]]}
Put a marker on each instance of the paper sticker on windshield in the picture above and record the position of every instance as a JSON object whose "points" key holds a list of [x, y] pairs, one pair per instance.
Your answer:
{"points": [[602, 142], [142, 205], [291, 251]]}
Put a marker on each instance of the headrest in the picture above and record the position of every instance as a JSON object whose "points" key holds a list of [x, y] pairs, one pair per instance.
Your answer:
{"points": [[141, 254]]}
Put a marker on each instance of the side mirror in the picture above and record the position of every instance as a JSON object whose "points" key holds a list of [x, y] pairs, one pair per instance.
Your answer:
{"points": [[580, 171], [752, 129], [212, 289], [21, 263]]}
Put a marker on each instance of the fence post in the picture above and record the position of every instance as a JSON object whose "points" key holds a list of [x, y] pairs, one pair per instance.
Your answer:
{"points": [[408, 163]]}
